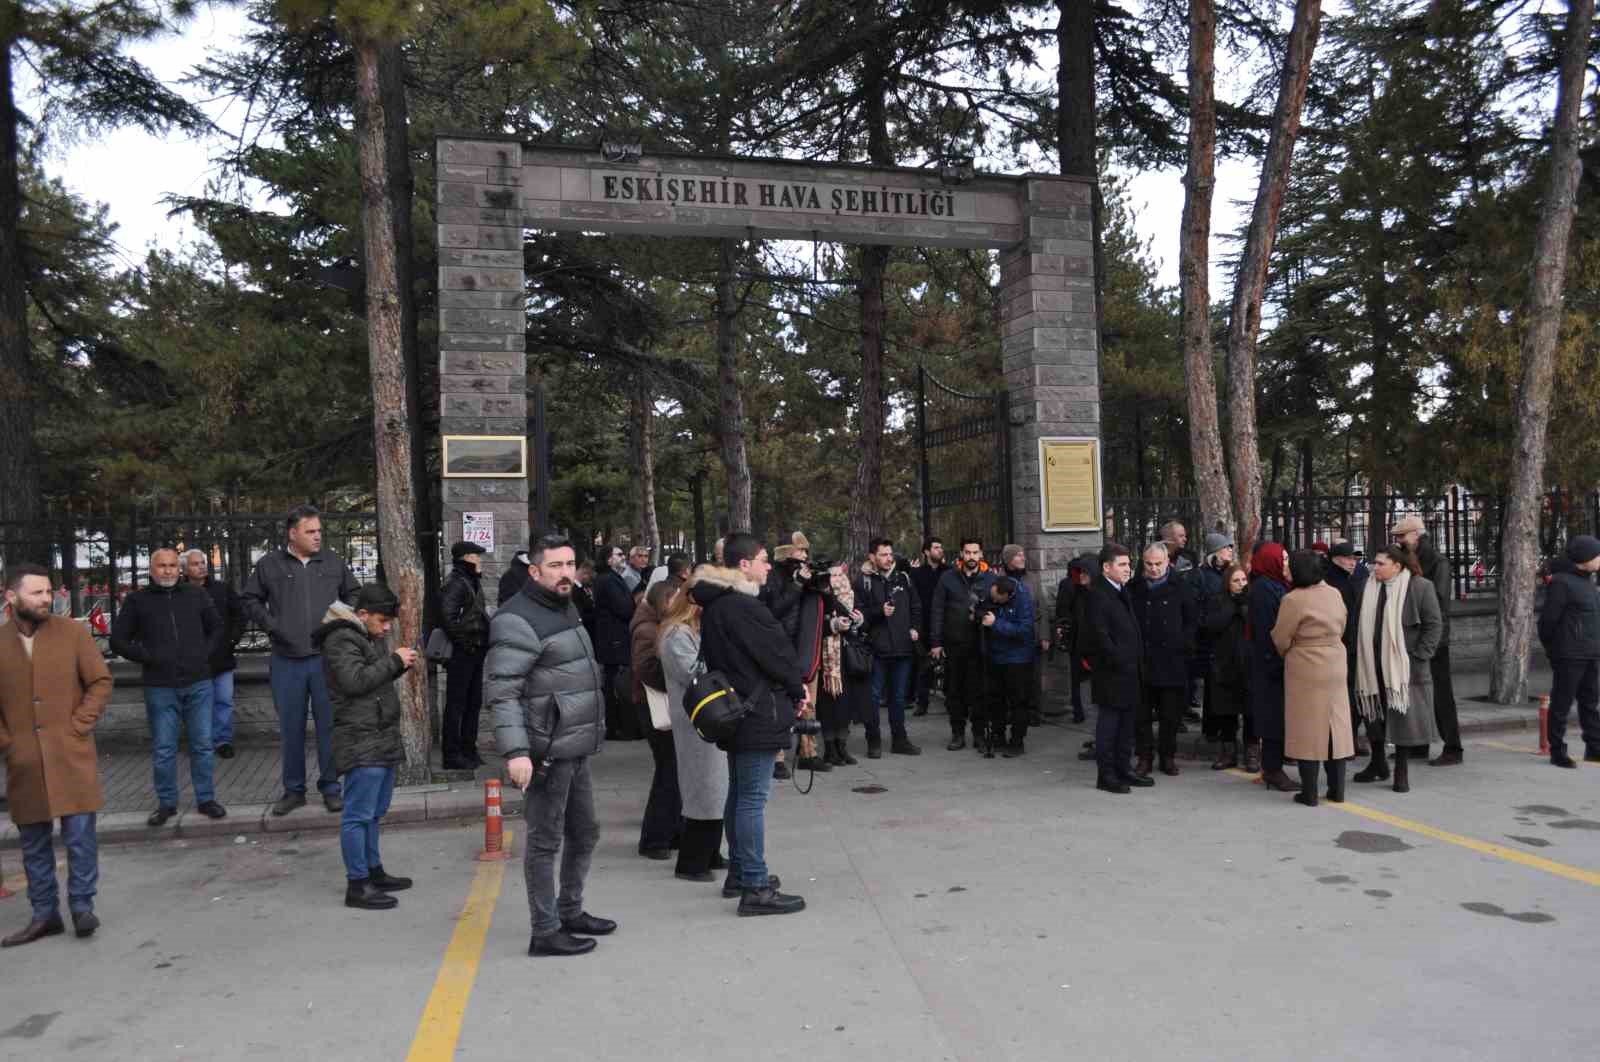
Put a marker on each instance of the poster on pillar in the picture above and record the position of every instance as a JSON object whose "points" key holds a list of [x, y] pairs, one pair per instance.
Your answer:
{"points": [[478, 528], [1069, 483]]}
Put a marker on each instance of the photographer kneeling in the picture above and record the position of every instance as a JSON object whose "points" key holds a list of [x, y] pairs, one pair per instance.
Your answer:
{"points": [[740, 638]]}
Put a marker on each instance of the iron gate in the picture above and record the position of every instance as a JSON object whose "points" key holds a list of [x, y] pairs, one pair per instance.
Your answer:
{"points": [[964, 450]]}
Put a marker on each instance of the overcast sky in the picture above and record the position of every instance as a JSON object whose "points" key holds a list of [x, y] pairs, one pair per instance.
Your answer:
{"points": [[132, 171]]}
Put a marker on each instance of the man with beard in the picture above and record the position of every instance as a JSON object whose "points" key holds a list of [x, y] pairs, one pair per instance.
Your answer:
{"points": [[172, 629], [53, 686], [953, 637], [925, 577], [894, 615], [613, 612], [1411, 533], [543, 687]]}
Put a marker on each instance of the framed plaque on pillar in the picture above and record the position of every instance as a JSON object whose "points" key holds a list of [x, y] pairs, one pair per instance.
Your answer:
{"points": [[1069, 483], [485, 456]]}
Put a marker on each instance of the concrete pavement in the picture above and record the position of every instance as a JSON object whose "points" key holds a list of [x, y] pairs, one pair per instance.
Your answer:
{"points": [[974, 910]]}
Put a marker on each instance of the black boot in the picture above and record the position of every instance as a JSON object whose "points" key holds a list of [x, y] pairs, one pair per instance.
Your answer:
{"points": [[382, 879], [1336, 781], [1378, 769], [958, 740], [1308, 783], [842, 745], [1402, 770], [768, 901], [361, 893]]}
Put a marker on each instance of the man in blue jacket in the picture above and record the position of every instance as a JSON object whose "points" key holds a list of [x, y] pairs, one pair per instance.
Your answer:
{"points": [[1012, 645]]}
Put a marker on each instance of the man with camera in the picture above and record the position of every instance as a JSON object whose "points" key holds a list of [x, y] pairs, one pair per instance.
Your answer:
{"points": [[1008, 628], [740, 638], [925, 577], [894, 615], [544, 688], [799, 597], [953, 634]]}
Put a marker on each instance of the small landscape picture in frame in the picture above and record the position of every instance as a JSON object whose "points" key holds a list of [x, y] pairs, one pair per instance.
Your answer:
{"points": [[485, 456]]}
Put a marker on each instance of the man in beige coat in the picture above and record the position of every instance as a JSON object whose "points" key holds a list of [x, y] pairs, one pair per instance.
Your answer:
{"points": [[53, 686]]}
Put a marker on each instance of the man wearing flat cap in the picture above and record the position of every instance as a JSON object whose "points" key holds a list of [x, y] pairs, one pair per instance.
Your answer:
{"points": [[466, 622], [1411, 533], [1569, 630]]}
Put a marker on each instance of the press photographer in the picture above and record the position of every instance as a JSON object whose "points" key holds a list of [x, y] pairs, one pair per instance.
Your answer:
{"points": [[953, 632], [894, 614], [798, 596]]}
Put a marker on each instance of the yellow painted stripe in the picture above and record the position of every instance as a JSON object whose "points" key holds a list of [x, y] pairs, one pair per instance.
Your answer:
{"points": [[440, 1026], [1549, 866], [1509, 747]]}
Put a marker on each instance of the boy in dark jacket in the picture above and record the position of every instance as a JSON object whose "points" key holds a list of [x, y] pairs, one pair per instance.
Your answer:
{"points": [[1569, 630], [740, 638], [1009, 630], [359, 670], [894, 620]]}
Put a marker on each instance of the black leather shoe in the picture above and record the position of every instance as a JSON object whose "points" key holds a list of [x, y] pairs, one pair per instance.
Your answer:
{"points": [[768, 902], [559, 943], [159, 816], [1561, 759], [902, 746], [1138, 781], [703, 875], [588, 925], [656, 853], [363, 895], [1372, 773], [288, 802], [1110, 785], [1308, 801], [50, 927], [730, 890], [84, 923], [387, 881], [333, 802], [225, 750], [212, 810]]}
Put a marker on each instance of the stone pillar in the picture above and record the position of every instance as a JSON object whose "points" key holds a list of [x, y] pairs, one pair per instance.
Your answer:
{"points": [[483, 361], [1051, 359]]}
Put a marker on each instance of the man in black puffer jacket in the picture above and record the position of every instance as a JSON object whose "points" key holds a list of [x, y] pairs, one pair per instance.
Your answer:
{"points": [[894, 624], [466, 621], [740, 638], [1569, 630], [544, 688], [171, 629], [953, 636], [360, 672]]}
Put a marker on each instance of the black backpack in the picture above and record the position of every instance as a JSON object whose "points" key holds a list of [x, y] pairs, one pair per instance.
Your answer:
{"points": [[713, 706]]}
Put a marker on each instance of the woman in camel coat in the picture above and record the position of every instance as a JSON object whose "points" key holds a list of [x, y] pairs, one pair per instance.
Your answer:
{"points": [[1309, 635]]}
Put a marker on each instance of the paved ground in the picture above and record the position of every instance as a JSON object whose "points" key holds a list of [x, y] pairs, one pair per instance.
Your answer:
{"points": [[973, 910]]}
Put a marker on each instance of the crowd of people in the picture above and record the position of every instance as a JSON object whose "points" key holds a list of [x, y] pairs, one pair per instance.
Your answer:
{"points": [[1283, 661]]}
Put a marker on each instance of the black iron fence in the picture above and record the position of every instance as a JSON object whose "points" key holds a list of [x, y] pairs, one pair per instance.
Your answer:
{"points": [[964, 454], [1467, 527], [98, 558]]}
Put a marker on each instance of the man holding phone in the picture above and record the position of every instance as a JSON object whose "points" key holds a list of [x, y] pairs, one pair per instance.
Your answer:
{"points": [[546, 691], [894, 618]]}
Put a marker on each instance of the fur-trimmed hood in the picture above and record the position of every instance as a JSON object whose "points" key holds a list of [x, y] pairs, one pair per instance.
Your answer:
{"points": [[338, 615], [711, 582]]}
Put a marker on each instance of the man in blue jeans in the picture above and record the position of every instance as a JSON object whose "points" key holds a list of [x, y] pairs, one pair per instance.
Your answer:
{"points": [[740, 637], [171, 629], [894, 618], [360, 672], [197, 570], [54, 685], [286, 596]]}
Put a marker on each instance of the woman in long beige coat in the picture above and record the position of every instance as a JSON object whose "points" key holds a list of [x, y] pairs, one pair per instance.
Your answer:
{"points": [[1316, 703]]}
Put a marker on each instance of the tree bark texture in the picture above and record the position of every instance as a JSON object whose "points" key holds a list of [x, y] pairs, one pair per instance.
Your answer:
{"points": [[1250, 284], [866, 500], [646, 528], [19, 462], [1194, 274], [1508, 677], [730, 396], [391, 411]]}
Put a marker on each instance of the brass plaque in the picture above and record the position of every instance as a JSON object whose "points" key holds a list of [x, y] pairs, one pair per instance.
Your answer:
{"points": [[1069, 483]]}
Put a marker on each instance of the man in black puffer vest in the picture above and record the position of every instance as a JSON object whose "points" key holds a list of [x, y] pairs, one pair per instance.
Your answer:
{"points": [[1569, 630], [466, 621], [544, 686], [740, 638]]}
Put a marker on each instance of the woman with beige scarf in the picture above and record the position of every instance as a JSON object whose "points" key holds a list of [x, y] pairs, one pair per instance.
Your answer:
{"points": [[1401, 627], [839, 693]]}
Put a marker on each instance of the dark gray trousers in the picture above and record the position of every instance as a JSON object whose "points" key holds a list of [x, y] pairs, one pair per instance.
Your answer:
{"points": [[560, 816]]}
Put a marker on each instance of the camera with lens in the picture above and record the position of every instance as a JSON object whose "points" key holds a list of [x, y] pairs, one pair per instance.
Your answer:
{"points": [[807, 726], [808, 576], [998, 597]]}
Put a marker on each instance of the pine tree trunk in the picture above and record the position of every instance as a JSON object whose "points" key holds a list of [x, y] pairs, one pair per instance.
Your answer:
{"points": [[646, 529], [1194, 273], [1077, 140], [1508, 677], [866, 500], [391, 412], [730, 397], [19, 461], [1250, 285]]}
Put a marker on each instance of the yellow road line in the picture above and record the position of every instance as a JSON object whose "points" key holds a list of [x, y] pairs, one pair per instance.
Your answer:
{"points": [[1549, 866], [1508, 747], [440, 1026]]}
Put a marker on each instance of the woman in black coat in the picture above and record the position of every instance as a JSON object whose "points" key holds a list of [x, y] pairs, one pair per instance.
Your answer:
{"points": [[1269, 584], [1224, 624]]}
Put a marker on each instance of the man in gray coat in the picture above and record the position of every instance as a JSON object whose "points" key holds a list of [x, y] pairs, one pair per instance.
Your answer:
{"points": [[546, 691]]}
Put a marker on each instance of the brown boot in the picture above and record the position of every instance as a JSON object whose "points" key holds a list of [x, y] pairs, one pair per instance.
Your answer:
{"points": [[1252, 757], [1280, 781], [1227, 756]]}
